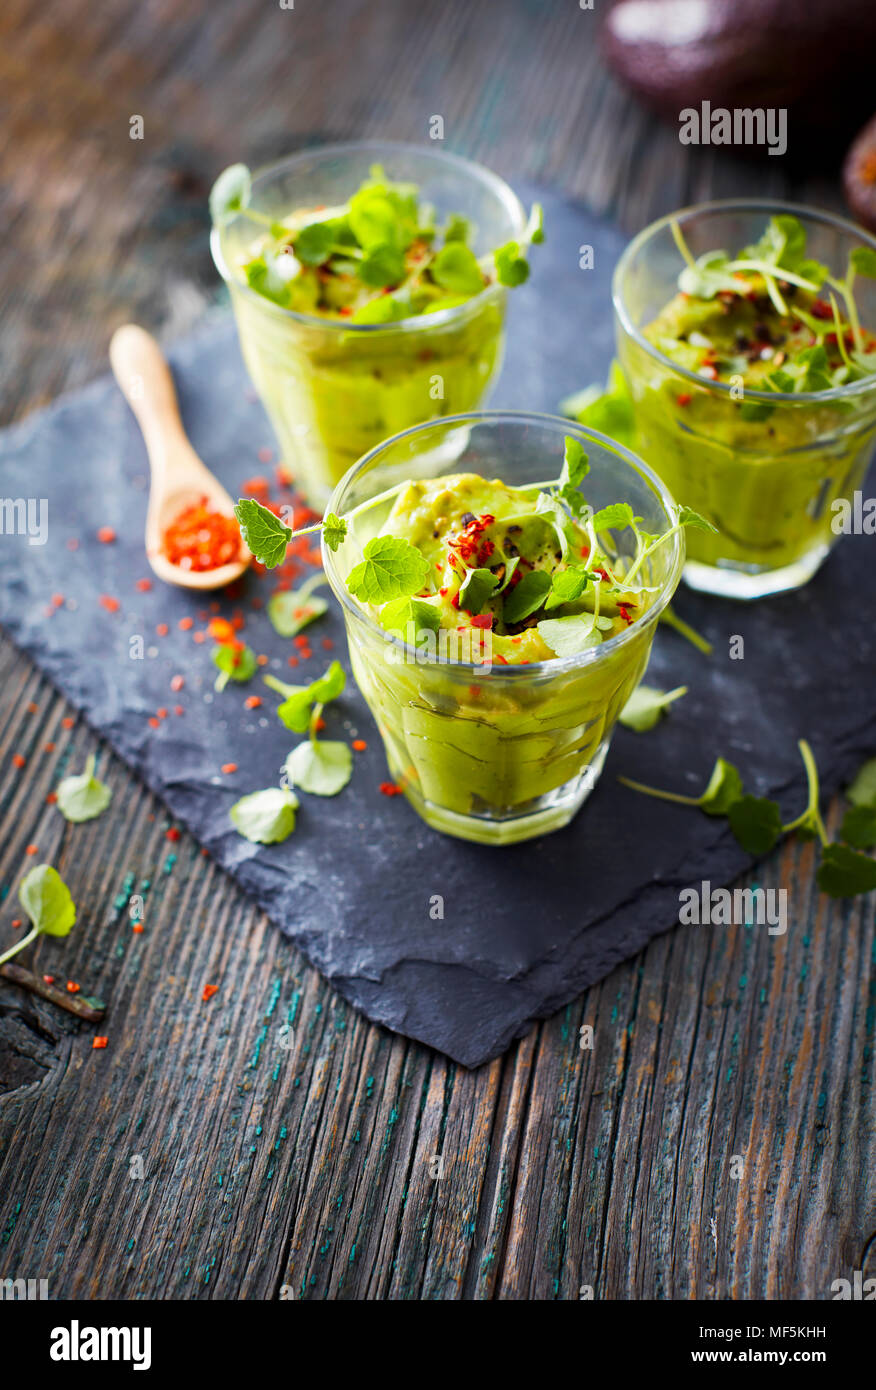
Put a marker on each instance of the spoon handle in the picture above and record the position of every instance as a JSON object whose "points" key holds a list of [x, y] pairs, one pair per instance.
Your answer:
{"points": [[144, 377]]}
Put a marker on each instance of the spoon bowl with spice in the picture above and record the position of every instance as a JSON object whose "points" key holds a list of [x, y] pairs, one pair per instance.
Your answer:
{"points": [[192, 535]]}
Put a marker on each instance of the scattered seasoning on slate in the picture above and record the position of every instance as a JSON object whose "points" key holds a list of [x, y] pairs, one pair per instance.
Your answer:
{"points": [[209, 991], [390, 789], [31, 849], [109, 603], [99, 1042], [67, 722], [106, 535], [359, 745], [72, 987], [18, 760]]}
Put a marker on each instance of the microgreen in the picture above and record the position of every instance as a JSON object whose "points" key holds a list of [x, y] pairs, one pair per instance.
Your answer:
{"points": [[230, 193], [399, 612], [647, 706], [527, 596], [236, 662], [577, 633], [322, 768], [46, 899], [391, 568], [567, 586], [456, 269], [859, 827], [478, 586], [723, 788], [843, 873], [83, 797], [298, 700], [862, 790], [290, 610], [266, 817]]}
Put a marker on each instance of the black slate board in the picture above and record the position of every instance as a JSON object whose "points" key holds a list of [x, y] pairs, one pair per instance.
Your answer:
{"points": [[524, 929]]}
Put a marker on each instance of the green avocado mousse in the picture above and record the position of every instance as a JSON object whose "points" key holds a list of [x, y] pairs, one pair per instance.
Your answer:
{"points": [[500, 616], [369, 284], [748, 381]]}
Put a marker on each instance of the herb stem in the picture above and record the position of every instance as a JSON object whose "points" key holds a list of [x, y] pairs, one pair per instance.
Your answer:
{"points": [[20, 945], [671, 619], [315, 717], [812, 814], [682, 245], [661, 796]]}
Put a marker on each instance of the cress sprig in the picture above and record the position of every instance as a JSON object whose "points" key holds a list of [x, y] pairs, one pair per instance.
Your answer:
{"points": [[780, 256], [384, 238], [757, 825]]}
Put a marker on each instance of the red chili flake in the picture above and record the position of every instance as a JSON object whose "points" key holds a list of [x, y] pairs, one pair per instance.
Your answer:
{"points": [[327, 644], [220, 630], [683, 399], [252, 701], [32, 849], [162, 713], [300, 641], [474, 691], [345, 311], [199, 637], [201, 538], [106, 535], [257, 485], [110, 604], [172, 833], [162, 629], [99, 1042], [320, 725], [821, 310], [153, 722], [177, 682], [72, 987], [143, 585], [228, 767], [502, 660], [67, 722], [185, 624], [209, 991], [265, 454], [49, 748], [261, 659], [624, 612], [178, 709], [16, 923], [18, 760], [32, 707], [58, 600], [483, 620], [52, 798], [49, 979], [292, 660], [137, 927], [390, 789]]}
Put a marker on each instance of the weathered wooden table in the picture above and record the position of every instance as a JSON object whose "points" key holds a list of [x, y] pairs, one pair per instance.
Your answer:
{"points": [[312, 1167]]}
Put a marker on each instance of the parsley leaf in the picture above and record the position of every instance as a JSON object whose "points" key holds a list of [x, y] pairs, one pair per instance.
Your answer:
{"points": [[321, 768], [647, 706], [527, 596], [266, 817], [392, 568], [843, 873], [263, 533], [83, 797]]}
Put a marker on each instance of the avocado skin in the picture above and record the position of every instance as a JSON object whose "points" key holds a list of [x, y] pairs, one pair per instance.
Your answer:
{"points": [[745, 53]]}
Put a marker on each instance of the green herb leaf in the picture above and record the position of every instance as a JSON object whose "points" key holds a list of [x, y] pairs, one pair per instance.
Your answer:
{"points": [[264, 534], [618, 514], [265, 817], [723, 789], [688, 517], [334, 529], [455, 268], [569, 636], [235, 664], [862, 791], [647, 705], [512, 267], [382, 266], [859, 827], [291, 610], [527, 596], [457, 228], [46, 899], [230, 193], [83, 797], [863, 259], [568, 585], [756, 823], [385, 308], [397, 614], [313, 244], [321, 768], [392, 568], [478, 586], [843, 873]]}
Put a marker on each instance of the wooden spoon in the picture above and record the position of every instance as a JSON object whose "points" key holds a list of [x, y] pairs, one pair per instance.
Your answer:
{"points": [[179, 478]]}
